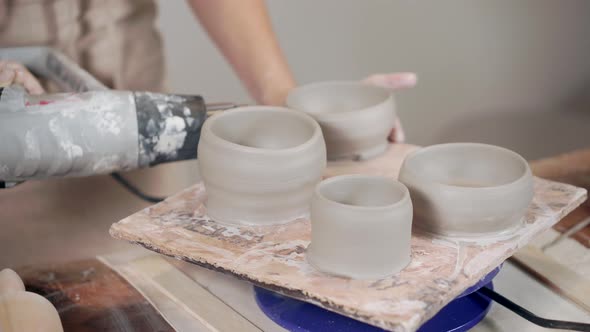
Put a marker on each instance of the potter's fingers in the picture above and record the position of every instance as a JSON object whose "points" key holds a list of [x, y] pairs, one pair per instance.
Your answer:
{"points": [[16, 66], [10, 282], [29, 82], [397, 134], [13, 64], [12, 72], [393, 81], [7, 76], [400, 135]]}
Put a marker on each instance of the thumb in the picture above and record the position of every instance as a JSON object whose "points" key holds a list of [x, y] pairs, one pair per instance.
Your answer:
{"points": [[397, 134], [7, 76]]}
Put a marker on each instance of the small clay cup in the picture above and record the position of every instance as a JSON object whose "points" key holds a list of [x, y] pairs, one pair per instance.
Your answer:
{"points": [[467, 189], [361, 226], [260, 164], [356, 118]]}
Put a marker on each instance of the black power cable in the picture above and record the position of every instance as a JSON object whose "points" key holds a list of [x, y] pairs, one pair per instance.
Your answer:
{"points": [[134, 190], [522, 312]]}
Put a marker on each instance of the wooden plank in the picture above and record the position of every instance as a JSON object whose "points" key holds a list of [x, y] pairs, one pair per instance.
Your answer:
{"points": [[564, 280], [563, 253], [274, 256], [180, 319], [572, 165], [237, 294], [91, 297], [185, 304], [577, 225], [573, 168]]}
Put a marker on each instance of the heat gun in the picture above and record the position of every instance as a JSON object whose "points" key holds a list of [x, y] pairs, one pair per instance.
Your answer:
{"points": [[95, 132]]}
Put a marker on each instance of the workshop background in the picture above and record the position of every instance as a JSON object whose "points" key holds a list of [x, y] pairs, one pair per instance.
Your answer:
{"points": [[512, 73]]}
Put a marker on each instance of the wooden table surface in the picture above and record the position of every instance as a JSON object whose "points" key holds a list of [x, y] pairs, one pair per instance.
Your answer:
{"points": [[91, 297], [572, 168]]}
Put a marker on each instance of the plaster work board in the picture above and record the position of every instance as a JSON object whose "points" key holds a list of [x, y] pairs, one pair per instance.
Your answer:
{"points": [[274, 256]]}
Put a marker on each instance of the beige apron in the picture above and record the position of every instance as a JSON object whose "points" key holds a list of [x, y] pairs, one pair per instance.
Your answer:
{"points": [[117, 42]]}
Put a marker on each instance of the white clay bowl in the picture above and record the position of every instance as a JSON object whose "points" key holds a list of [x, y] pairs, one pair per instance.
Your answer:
{"points": [[356, 118], [361, 226], [467, 189], [260, 164]]}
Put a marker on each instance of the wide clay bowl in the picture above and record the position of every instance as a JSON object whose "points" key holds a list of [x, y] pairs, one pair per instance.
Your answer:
{"points": [[356, 118], [467, 189], [361, 226], [260, 164]]}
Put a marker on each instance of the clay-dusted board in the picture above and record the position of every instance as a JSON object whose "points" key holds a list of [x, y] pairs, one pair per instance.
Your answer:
{"points": [[274, 256]]}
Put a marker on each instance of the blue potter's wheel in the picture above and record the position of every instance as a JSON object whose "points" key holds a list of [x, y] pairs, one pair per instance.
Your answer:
{"points": [[297, 316]]}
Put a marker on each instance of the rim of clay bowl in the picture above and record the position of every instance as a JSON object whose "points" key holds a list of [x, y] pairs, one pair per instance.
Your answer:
{"points": [[317, 131], [395, 183], [299, 89], [513, 154]]}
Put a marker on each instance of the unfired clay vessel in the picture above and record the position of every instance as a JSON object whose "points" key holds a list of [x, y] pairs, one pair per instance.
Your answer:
{"points": [[356, 118], [260, 164], [467, 189], [360, 226]]}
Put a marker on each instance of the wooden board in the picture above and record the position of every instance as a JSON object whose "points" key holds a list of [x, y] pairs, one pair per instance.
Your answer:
{"points": [[560, 258], [185, 304], [566, 281], [274, 256], [91, 297], [573, 168]]}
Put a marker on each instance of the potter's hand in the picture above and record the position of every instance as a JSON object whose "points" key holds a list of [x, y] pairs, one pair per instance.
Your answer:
{"points": [[394, 81], [15, 73], [24, 311]]}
